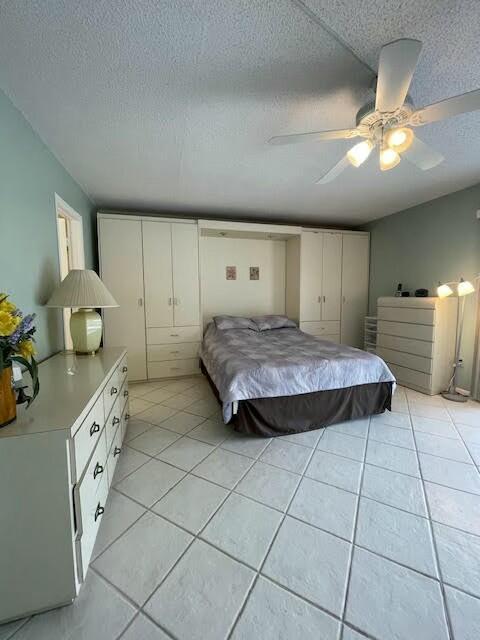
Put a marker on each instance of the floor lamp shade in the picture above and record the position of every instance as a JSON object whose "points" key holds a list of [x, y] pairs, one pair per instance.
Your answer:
{"points": [[83, 289]]}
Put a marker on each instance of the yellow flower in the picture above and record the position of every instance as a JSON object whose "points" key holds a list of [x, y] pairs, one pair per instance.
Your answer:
{"points": [[26, 349], [6, 305], [8, 323]]}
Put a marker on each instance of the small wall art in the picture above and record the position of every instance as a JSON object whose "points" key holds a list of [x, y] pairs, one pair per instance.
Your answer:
{"points": [[231, 273], [254, 273]]}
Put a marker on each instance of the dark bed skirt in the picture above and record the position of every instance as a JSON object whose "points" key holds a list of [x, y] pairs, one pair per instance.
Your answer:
{"points": [[293, 414]]}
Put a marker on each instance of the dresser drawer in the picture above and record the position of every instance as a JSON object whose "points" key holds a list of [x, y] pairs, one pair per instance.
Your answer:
{"points": [[114, 454], [169, 335], [113, 421], [172, 368], [182, 351], [406, 359], [416, 316], [110, 392], [410, 378], [329, 327], [122, 370], [87, 436], [406, 330], [90, 482], [407, 345], [91, 518]]}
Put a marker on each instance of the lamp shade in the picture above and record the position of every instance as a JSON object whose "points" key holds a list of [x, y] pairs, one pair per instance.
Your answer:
{"points": [[82, 288], [443, 290], [464, 287]]}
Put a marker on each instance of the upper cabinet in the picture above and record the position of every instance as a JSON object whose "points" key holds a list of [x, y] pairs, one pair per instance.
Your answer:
{"points": [[170, 255], [320, 274], [121, 269]]}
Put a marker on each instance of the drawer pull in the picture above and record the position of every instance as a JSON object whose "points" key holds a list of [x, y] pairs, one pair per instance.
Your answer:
{"points": [[115, 421], [124, 369], [174, 352], [127, 416], [116, 451], [125, 393], [98, 470], [174, 335], [95, 428], [113, 391], [99, 511]]}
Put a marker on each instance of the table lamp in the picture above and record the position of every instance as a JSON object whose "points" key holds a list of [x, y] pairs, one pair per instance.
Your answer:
{"points": [[463, 288], [83, 289]]}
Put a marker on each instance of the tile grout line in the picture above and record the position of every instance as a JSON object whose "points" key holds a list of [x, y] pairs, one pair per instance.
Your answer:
{"points": [[272, 542], [446, 614], [355, 524]]}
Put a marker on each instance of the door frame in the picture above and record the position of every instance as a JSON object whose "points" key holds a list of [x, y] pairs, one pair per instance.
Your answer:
{"points": [[76, 251], [475, 385]]}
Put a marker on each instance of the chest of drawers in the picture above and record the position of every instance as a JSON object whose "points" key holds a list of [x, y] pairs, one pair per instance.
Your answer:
{"points": [[416, 338], [56, 465], [172, 351]]}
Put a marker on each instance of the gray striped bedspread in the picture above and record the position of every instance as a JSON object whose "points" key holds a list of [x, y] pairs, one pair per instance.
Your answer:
{"points": [[246, 364]]}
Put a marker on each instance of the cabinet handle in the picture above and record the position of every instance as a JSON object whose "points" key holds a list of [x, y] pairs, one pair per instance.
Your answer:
{"points": [[99, 511], [125, 393], [324, 298], [174, 335], [116, 451], [124, 369], [95, 428], [98, 470], [115, 421], [319, 299], [173, 352], [344, 299], [169, 302], [127, 416], [113, 391], [140, 302]]}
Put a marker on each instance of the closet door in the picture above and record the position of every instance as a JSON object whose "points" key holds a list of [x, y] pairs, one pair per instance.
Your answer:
{"points": [[157, 260], [332, 276], [311, 276], [185, 274], [355, 267], [121, 263]]}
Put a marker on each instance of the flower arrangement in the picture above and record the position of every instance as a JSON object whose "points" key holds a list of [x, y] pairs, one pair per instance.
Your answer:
{"points": [[17, 342]]}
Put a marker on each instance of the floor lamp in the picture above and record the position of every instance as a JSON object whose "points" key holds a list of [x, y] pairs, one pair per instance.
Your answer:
{"points": [[464, 288]]}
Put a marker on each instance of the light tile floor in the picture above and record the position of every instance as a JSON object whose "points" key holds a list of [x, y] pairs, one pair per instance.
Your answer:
{"points": [[367, 529]]}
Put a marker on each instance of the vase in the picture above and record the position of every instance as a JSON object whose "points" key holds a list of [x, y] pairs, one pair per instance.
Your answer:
{"points": [[8, 406]]}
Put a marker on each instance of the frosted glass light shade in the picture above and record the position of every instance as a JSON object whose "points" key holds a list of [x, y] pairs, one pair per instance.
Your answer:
{"points": [[465, 287], [443, 291], [82, 288], [360, 152]]}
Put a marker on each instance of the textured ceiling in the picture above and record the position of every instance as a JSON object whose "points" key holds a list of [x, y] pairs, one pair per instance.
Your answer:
{"points": [[168, 105]]}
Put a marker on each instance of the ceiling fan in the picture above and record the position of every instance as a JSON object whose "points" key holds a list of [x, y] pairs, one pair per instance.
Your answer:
{"points": [[386, 123]]}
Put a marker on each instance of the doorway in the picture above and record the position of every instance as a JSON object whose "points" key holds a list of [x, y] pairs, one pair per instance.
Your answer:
{"points": [[70, 251]]}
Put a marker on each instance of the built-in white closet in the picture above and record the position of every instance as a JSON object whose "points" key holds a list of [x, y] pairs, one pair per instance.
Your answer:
{"points": [[318, 277]]}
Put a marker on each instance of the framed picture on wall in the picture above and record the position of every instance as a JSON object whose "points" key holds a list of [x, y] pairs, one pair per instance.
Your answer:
{"points": [[254, 273], [231, 273]]}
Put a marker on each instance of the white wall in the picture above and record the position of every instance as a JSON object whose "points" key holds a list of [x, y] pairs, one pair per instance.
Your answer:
{"points": [[242, 297]]}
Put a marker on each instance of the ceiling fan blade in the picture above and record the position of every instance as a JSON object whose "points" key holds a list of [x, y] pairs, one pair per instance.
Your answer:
{"points": [[447, 108], [422, 156], [315, 136], [335, 171], [395, 70]]}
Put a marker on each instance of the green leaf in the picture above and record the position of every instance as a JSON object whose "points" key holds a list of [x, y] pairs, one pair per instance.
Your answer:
{"points": [[32, 369]]}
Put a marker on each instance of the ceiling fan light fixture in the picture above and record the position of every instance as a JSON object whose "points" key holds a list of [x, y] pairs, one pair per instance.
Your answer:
{"points": [[388, 159], [399, 139], [360, 152]]}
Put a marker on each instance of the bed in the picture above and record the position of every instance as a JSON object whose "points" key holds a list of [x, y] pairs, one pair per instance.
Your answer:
{"points": [[273, 379]]}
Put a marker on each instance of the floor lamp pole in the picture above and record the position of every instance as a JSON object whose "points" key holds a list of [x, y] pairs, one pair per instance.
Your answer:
{"points": [[451, 393]]}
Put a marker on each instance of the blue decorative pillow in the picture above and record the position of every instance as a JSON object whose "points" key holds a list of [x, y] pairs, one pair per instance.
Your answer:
{"points": [[234, 322], [265, 323]]}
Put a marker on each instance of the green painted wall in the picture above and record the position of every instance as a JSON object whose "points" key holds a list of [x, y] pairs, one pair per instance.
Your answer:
{"points": [[438, 240], [29, 177]]}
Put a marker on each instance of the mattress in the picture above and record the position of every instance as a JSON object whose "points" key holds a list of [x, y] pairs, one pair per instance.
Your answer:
{"points": [[245, 364]]}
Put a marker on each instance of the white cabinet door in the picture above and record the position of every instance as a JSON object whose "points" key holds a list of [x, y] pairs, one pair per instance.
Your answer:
{"points": [[332, 276], [157, 259], [355, 267], [311, 276], [122, 272], [185, 274]]}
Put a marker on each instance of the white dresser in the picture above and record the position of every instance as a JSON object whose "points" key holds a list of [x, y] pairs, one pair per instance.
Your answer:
{"points": [[416, 338], [56, 465]]}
